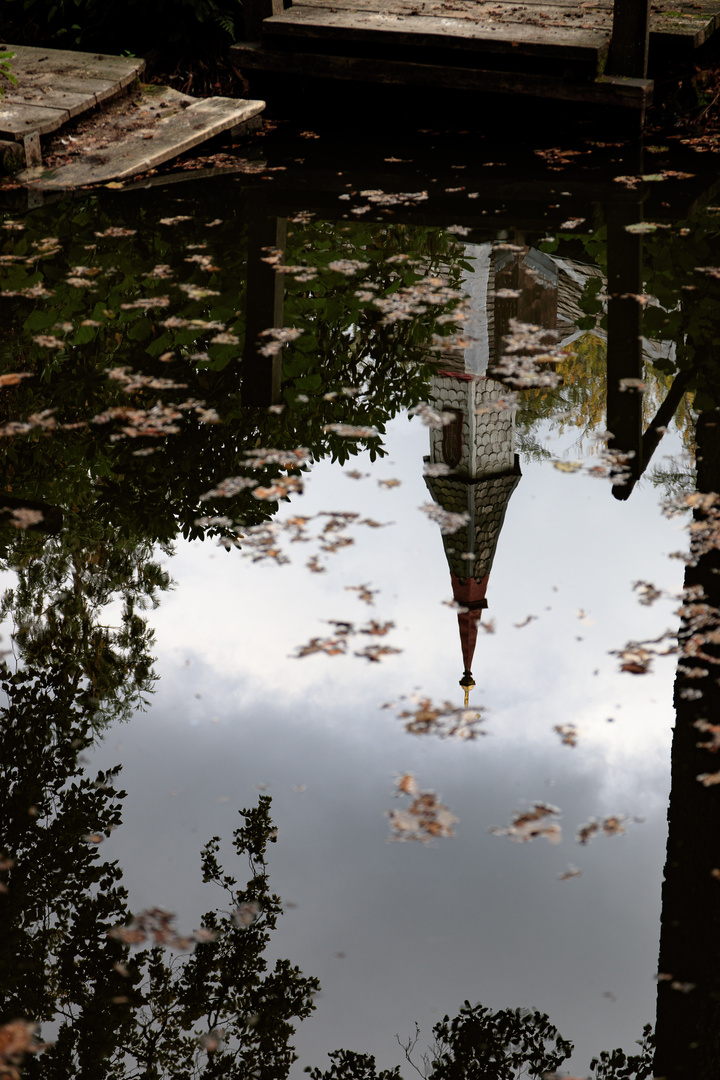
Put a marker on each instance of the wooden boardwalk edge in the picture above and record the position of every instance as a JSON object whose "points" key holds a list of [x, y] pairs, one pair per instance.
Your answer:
{"points": [[604, 90], [141, 150]]}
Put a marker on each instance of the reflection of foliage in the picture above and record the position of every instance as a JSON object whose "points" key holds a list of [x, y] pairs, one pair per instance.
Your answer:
{"points": [[64, 586], [221, 998], [129, 295], [348, 1065], [616, 1065], [213, 1013], [684, 300], [478, 1044], [349, 344]]}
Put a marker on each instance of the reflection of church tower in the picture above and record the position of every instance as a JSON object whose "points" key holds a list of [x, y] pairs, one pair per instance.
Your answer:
{"points": [[478, 447]]}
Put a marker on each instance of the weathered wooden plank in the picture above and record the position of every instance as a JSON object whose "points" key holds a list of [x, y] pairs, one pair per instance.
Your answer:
{"points": [[72, 103], [573, 43], [675, 29], [509, 11], [17, 120], [630, 93], [529, 14], [55, 84], [146, 148], [31, 61], [688, 24], [97, 89]]}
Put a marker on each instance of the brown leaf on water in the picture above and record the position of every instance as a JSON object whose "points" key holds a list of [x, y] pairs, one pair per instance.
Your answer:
{"points": [[648, 592], [448, 521], [571, 872], [635, 661], [351, 431], [22, 517], [13, 378], [281, 488], [376, 629], [444, 720], [526, 621], [613, 825], [408, 785], [17, 1039], [48, 341], [155, 925], [713, 731], [331, 646], [375, 653], [709, 779], [426, 818], [530, 824], [365, 593], [567, 733]]}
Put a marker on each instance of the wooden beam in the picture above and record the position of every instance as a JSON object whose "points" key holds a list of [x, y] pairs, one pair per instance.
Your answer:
{"points": [[605, 90], [630, 39], [255, 11], [489, 35], [624, 337], [264, 301]]}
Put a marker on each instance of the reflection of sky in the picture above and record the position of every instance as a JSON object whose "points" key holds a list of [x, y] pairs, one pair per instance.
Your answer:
{"points": [[421, 927]]}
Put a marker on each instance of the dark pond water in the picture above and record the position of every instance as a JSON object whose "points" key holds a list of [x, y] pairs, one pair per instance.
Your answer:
{"points": [[360, 618]]}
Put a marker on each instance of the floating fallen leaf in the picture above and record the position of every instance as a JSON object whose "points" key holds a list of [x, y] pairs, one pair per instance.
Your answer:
{"points": [[567, 733], [526, 621], [48, 341], [246, 914], [365, 593], [444, 720], [709, 779], [12, 379], [449, 522], [156, 925], [424, 819], [614, 825], [352, 431], [530, 824]]}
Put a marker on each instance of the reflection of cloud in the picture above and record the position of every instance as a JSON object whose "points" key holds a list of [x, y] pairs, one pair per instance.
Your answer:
{"points": [[421, 926]]}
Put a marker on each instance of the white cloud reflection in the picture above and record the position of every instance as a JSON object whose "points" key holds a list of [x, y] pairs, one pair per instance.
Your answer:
{"points": [[422, 927]]}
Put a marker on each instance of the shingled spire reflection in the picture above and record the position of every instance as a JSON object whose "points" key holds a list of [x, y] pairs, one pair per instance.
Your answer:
{"points": [[477, 447]]}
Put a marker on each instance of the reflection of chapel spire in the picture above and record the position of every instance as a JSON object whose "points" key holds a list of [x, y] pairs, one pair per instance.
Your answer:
{"points": [[478, 446]]}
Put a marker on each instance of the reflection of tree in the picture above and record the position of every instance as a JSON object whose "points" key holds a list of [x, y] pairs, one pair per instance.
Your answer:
{"points": [[688, 1005], [476, 1044], [59, 611], [350, 365], [113, 1014], [215, 1012], [479, 1044]]}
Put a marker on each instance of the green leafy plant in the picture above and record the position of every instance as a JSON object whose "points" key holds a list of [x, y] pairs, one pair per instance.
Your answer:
{"points": [[6, 75]]}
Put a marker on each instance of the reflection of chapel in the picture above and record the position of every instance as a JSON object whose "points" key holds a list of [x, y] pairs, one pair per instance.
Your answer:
{"points": [[478, 446]]}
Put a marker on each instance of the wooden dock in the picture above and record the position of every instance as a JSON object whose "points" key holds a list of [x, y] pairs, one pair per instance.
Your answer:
{"points": [[593, 51], [54, 86], [121, 138]]}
